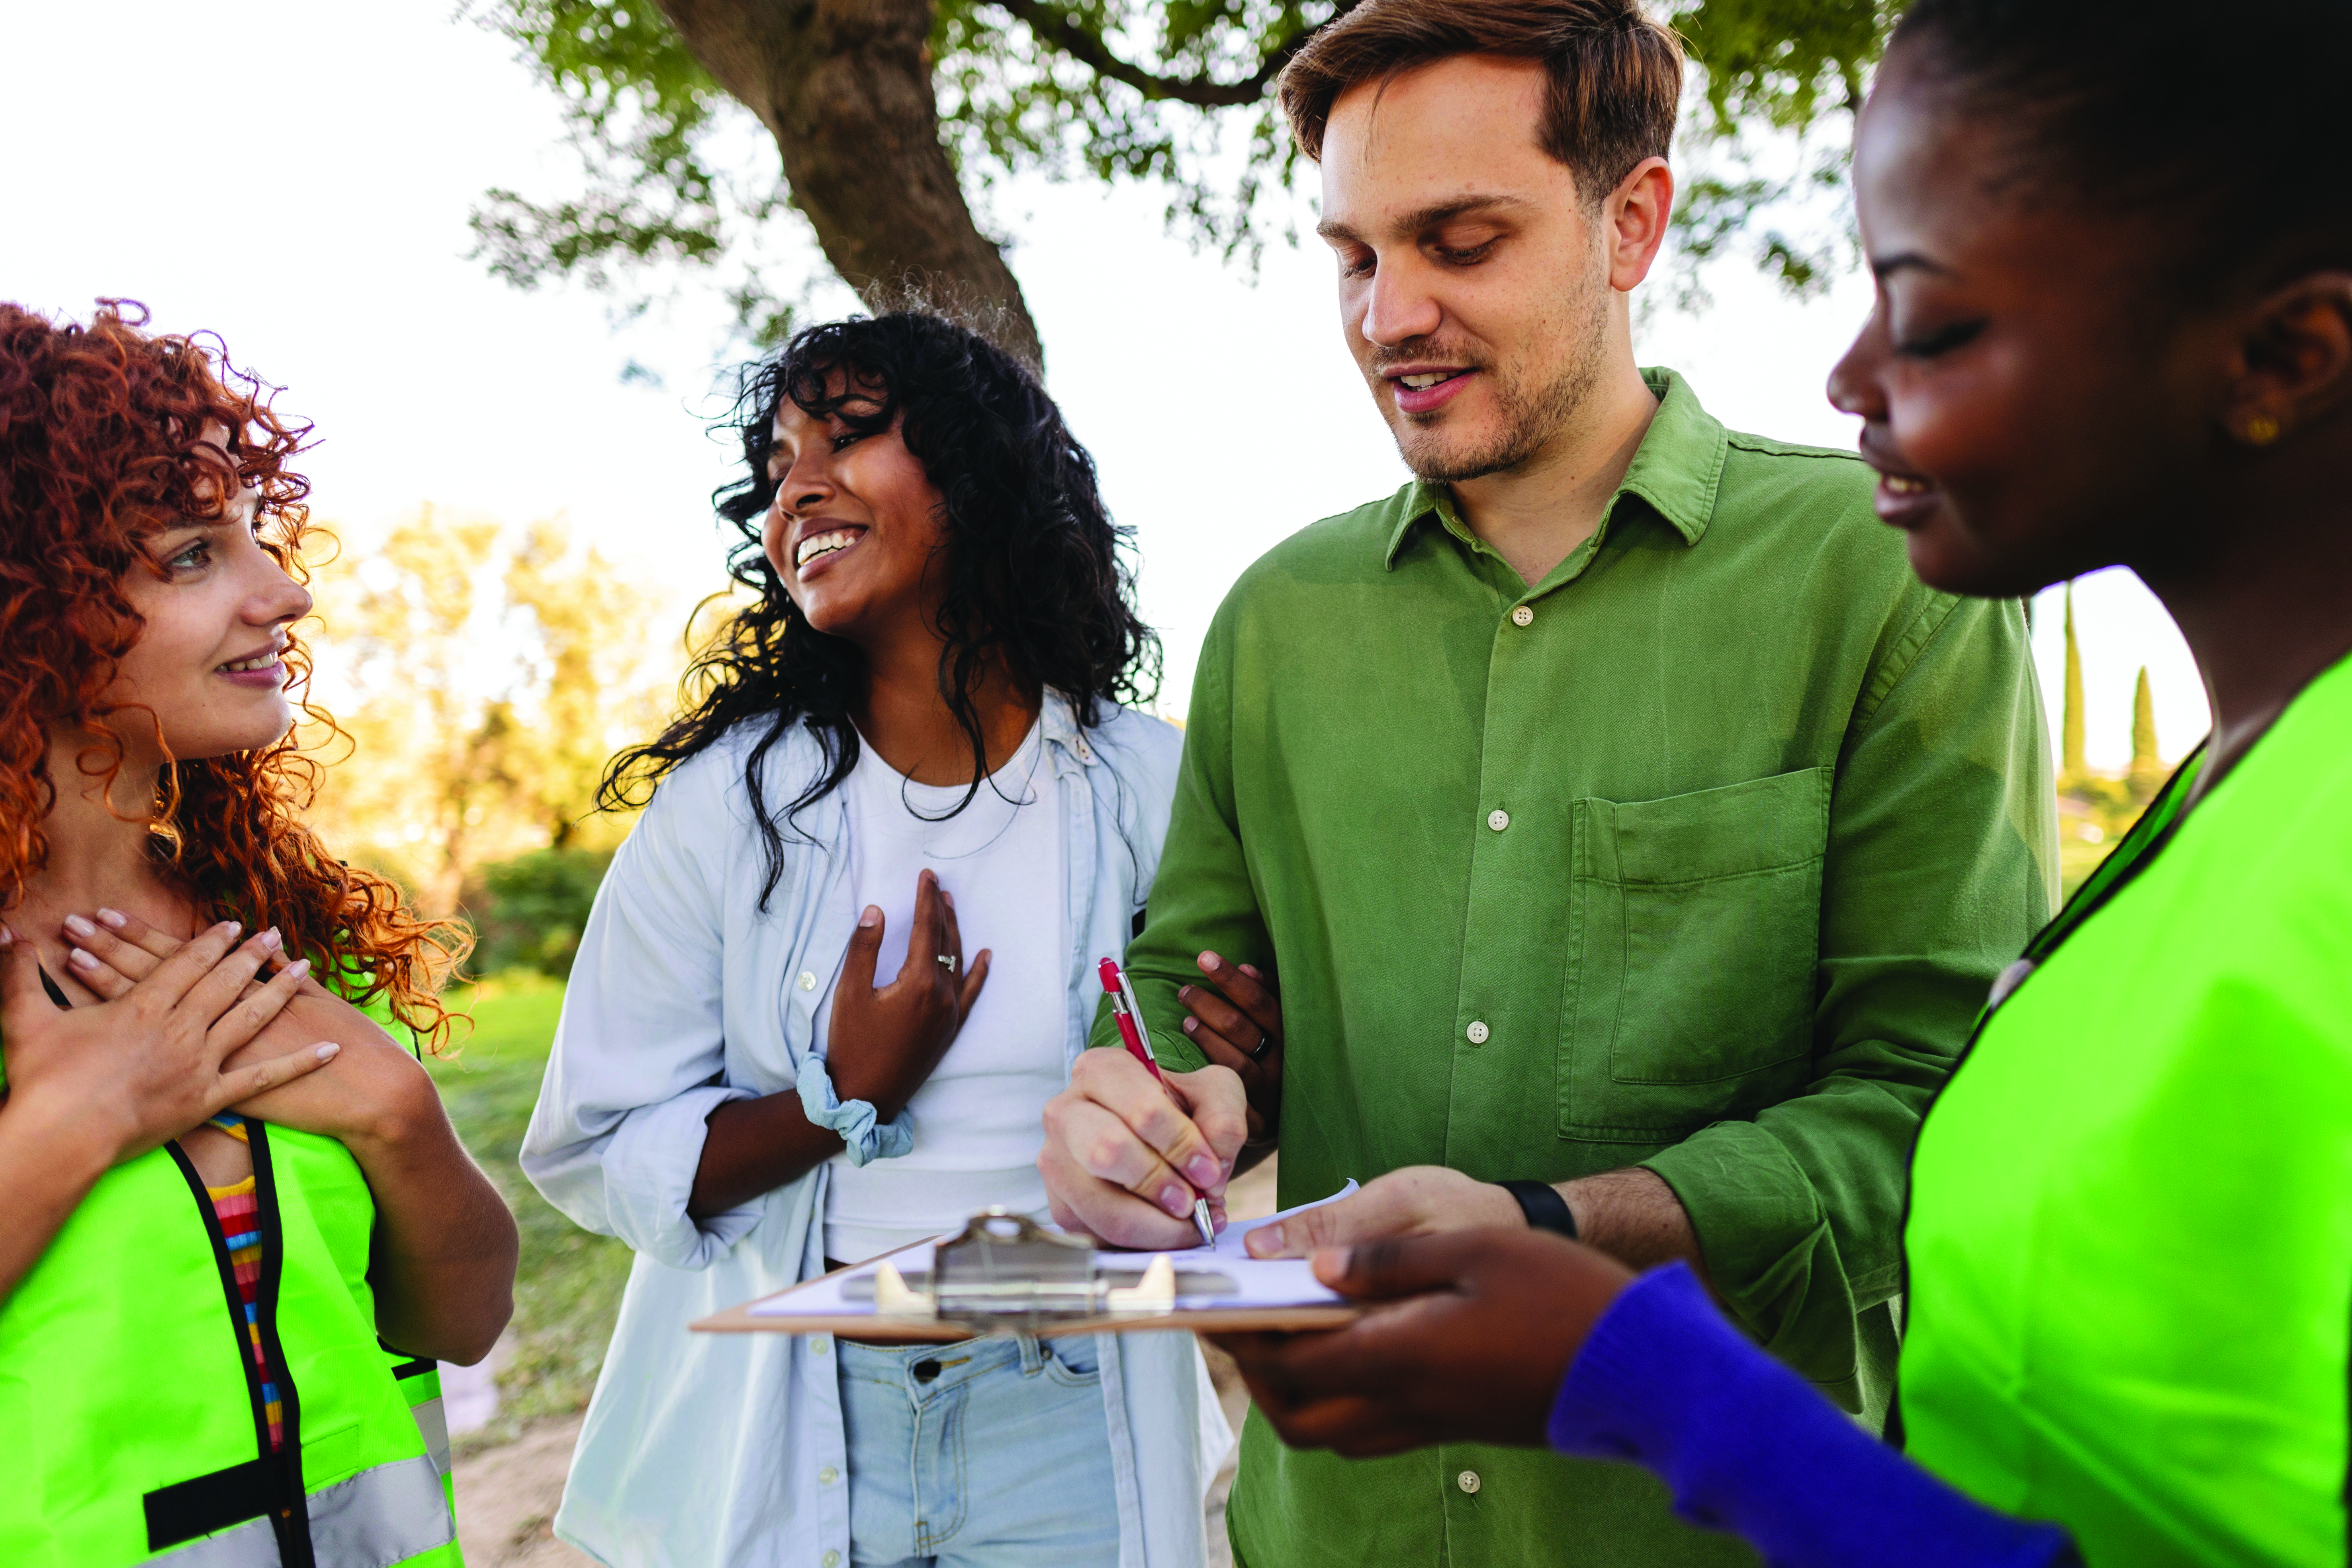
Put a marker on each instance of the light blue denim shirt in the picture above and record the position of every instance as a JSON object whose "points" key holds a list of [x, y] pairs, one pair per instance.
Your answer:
{"points": [[728, 1449]]}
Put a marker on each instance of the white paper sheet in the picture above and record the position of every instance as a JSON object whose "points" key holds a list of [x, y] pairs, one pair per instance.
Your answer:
{"points": [[1261, 1282]]}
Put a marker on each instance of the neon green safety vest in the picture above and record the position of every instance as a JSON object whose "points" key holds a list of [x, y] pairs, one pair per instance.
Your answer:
{"points": [[2130, 1237], [131, 1427]]}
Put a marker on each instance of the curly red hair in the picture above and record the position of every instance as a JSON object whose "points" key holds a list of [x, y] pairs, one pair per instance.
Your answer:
{"points": [[100, 426]]}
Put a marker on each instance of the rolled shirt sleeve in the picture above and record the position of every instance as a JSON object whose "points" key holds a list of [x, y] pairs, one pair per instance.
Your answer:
{"points": [[1940, 866], [638, 1063]]}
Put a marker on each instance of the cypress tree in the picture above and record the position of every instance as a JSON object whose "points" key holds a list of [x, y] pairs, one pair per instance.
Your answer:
{"points": [[2146, 768], [2070, 749]]}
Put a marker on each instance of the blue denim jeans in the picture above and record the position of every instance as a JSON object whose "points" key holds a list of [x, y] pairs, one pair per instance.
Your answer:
{"points": [[986, 1454]]}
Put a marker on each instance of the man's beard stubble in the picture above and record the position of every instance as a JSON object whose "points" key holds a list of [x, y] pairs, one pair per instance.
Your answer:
{"points": [[1531, 417]]}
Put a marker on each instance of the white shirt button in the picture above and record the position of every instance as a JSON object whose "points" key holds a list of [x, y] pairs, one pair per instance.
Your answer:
{"points": [[1086, 752], [808, 980], [831, 1560], [828, 1475], [1498, 819], [817, 1344], [1477, 1033], [1467, 1480], [1525, 615]]}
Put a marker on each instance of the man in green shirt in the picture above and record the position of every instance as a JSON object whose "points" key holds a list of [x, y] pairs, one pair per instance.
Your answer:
{"points": [[1613, 806]]}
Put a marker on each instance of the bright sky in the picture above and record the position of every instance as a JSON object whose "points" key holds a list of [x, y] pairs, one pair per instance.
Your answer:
{"points": [[299, 181]]}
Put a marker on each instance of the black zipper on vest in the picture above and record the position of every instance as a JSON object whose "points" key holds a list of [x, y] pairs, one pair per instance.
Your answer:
{"points": [[288, 1506], [294, 1524], [211, 1218]]}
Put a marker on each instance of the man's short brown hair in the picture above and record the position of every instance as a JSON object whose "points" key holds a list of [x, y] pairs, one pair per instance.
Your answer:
{"points": [[1616, 74]]}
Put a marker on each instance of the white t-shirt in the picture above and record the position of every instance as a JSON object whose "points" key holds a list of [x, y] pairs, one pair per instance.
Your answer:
{"points": [[976, 1120]]}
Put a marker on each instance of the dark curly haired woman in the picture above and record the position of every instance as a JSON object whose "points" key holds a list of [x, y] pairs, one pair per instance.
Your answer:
{"points": [[911, 745], [238, 1229]]}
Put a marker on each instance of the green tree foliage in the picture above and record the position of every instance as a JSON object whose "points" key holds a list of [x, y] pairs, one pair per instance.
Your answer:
{"points": [[1176, 94], [529, 912], [482, 676]]}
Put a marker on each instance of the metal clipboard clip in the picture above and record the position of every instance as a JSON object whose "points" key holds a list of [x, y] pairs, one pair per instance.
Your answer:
{"points": [[1004, 1272]]}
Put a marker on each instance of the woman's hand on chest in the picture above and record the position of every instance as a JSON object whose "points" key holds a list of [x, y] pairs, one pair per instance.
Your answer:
{"points": [[159, 1055], [884, 1042], [373, 1092]]}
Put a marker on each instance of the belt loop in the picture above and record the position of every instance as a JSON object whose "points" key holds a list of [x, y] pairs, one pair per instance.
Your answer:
{"points": [[1032, 1354]]}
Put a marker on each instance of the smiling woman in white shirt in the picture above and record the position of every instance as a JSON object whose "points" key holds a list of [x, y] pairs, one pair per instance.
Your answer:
{"points": [[914, 748]]}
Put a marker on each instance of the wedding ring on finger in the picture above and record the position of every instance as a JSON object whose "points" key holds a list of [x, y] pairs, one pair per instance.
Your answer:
{"points": [[947, 961], [1264, 1044]]}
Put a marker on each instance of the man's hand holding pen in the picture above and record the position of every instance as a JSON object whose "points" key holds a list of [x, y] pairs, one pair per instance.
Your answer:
{"points": [[1125, 1153]]}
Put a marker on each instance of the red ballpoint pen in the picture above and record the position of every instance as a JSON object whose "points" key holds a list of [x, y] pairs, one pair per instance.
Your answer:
{"points": [[1138, 1046]]}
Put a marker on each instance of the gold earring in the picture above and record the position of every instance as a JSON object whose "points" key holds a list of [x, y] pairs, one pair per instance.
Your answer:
{"points": [[2261, 429]]}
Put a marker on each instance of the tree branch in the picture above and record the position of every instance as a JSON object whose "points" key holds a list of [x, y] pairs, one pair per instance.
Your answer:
{"points": [[1058, 29]]}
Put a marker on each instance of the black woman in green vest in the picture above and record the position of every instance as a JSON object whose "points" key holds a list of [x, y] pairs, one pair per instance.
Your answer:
{"points": [[237, 1231], [2113, 246]]}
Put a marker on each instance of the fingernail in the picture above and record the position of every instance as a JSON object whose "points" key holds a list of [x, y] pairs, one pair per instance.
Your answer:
{"points": [[79, 926], [1176, 1200], [8, 937], [299, 968], [1266, 1241], [111, 918], [946, 897], [1208, 961], [1202, 1170], [872, 916], [230, 927], [1183, 992], [1251, 970], [79, 959], [271, 940], [1191, 1024], [326, 1052]]}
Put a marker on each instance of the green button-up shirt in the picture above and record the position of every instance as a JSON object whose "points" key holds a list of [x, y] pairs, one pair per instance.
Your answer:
{"points": [[1699, 854]]}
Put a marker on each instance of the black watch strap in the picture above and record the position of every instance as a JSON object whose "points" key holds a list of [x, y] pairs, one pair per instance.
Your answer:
{"points": [[1543, 1205]]}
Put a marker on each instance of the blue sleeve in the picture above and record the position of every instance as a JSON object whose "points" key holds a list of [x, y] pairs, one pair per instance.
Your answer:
{"points": [[1665, 1382]]}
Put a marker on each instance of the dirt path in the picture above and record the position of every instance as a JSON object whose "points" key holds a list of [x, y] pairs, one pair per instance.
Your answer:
{"points": [[507, 1498]]}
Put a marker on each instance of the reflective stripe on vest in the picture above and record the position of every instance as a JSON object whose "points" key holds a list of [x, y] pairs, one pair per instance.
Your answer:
{"points": [[375, 1519]]}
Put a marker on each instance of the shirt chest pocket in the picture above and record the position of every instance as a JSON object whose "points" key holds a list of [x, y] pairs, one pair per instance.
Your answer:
{"points": [[1695, 932]]}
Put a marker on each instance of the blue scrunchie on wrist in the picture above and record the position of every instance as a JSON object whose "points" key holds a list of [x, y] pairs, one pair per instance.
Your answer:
{"points": [[869, 1137]]}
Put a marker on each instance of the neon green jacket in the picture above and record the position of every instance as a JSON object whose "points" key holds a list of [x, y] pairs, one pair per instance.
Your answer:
{"points": [[2130, 1236], [133, 1411]]}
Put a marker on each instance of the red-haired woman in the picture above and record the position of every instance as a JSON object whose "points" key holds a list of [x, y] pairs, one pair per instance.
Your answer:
{"points": [[237, 1229]]}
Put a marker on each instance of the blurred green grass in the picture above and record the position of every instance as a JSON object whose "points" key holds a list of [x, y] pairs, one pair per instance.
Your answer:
{"points": [[568, 1283]]}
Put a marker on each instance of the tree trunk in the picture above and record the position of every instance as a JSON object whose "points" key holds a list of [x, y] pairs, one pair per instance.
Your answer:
{"points": [[844, 87]]}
